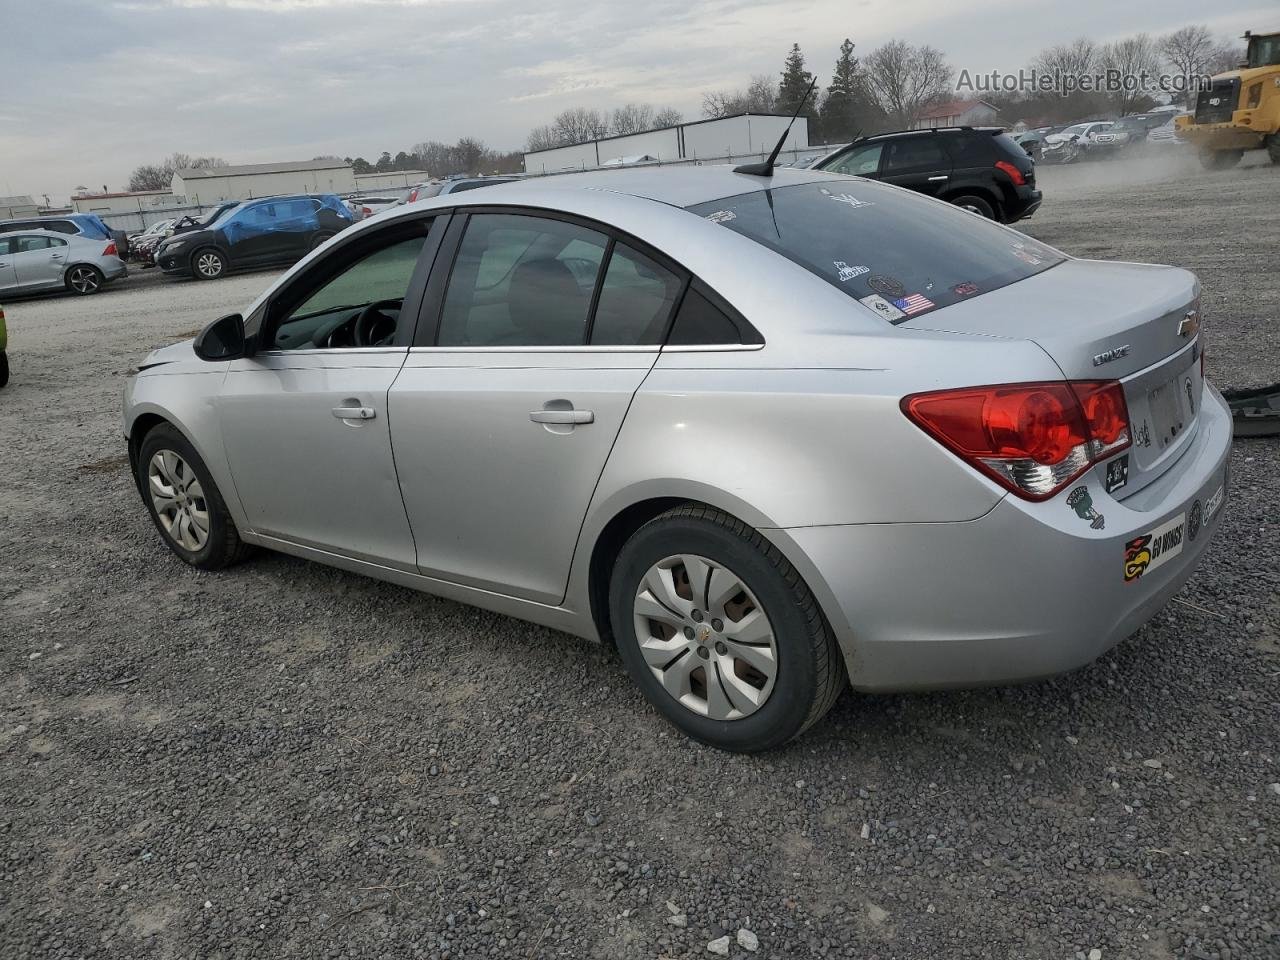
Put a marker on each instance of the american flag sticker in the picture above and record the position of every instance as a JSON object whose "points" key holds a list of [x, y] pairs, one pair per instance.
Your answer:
{"points": [[914, 303]]}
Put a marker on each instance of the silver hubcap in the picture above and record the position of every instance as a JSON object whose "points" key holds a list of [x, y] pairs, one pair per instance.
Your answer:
{"points": [[706, 637], [209, 264], [84, 281], [179, 500]]}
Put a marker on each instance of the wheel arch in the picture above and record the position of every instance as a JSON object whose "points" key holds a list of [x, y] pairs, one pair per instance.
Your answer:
{"points": [[989, 192], [66, 273], [619, 519]]}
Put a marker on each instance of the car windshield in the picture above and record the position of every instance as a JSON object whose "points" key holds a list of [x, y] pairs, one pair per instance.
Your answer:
{"points": [[898, 253]]}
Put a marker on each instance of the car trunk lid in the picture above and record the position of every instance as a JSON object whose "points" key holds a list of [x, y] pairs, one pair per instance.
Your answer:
{"points": [[1136, 323]]}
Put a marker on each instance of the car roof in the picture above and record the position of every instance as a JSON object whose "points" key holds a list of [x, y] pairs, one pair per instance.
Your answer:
{"points": [[911, 133], [678, 186]]}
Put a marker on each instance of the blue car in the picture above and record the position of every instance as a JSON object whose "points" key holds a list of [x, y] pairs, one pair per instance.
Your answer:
{"points": [[73, 224], [256, 233]]}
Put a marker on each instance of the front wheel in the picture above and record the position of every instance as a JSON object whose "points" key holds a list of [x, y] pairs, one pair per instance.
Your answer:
{"points": [[720, 633], [83, 280], [184, 503], [1273, 147], [976, 205], [4, 368], [208, 264], [1220, 159]]}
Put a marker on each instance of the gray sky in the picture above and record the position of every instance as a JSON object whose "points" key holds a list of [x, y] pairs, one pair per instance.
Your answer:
{"points": [[95, 87]]}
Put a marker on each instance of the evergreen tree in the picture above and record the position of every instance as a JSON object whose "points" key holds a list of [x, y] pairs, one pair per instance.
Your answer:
{"points": [[792, 90], [848, 108]]}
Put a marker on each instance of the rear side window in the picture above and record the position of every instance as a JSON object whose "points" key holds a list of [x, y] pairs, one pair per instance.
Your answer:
{"points": [[911, 154], [635, 300], [29, 244], [896, 252], [861, 161], [972, 149]]}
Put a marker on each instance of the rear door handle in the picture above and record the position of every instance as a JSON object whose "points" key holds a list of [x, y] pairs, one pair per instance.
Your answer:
{"points": [[355, 413], [562, 416], [932, 179]]}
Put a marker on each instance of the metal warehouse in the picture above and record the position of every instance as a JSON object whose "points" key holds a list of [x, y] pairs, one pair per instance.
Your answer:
{"points": [[741, 136], [210, 185]]}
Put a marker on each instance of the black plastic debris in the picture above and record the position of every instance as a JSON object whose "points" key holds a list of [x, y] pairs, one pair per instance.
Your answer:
{"points": [[1256, 411]]}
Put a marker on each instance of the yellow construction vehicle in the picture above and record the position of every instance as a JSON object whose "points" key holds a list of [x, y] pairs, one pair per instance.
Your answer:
{"points": [[1241, 109]]}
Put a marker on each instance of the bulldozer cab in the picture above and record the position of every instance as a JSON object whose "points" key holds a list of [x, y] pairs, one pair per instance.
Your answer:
{"points": [[1263, 51]]}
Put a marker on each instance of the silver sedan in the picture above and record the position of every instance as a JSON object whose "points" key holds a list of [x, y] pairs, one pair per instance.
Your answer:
{"points": [[768, 435], [38, 261]]}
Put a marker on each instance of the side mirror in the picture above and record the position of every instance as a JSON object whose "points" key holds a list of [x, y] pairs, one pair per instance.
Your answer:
{"points": [[222, 340]]}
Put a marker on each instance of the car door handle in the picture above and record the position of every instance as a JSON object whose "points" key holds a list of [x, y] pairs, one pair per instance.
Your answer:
{"points": [[944, 177], [55, 256], [562, 416], [355, 413]]}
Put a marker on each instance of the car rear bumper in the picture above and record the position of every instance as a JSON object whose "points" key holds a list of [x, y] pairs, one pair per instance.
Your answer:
{"points": [[1027, 591], [1026, 202]]}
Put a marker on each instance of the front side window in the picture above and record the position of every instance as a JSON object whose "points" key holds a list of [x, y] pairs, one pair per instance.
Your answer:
{"points": [[861, 161], [360, 304], [896, 252], [521, 281]]}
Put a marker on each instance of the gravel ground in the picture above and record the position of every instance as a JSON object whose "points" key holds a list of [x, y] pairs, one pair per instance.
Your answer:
{"points": [[284, 760]]}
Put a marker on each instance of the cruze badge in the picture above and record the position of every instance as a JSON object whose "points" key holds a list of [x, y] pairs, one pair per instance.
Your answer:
{"points": [[1106, 356], [1189, 325]]}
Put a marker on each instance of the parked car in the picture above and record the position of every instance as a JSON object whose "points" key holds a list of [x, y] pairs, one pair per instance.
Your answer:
{"points": [[978, 168], [755, 431], [1032, 141], [189, 222], [1071, 143], [82, 224], [37, 261], [438, 188], [1128, 131], [4, 350], [362, 207], [142, 246], [255, 233]]}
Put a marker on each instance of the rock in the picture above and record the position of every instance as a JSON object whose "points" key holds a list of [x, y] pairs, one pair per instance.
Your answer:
{"points": [[678, 920], [1274, 788], [866, 831], [719, 946], [877, 915], [748, 941], [1095, 954], [1153, 764], [593, 819]]}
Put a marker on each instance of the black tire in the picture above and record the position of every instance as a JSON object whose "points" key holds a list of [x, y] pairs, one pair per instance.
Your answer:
{"points": [[1220, 159], [810, 672], [975, 204], [322, 237], [208, 263], [4, 368], [1273, 147], [223, 546], [84, 279]]}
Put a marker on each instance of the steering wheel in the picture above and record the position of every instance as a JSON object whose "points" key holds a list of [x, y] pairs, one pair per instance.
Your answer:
{"points": [[373, 328]]}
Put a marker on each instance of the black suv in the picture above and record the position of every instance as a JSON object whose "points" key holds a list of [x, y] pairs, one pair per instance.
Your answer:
{"points": [[978, 168]]}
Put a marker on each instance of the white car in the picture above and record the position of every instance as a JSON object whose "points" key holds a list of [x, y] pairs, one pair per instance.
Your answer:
{"points": [[1066, 145], [363, 207]]}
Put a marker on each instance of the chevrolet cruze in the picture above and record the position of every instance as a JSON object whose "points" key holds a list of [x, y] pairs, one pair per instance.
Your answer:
{"points": [[769, 435]]}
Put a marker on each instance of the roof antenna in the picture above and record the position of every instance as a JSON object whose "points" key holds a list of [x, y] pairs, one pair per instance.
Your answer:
{"points": [[766, 169]]}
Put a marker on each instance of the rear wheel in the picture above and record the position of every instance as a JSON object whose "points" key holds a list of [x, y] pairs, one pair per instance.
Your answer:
{"points": [[208, 264], [1273, 147], [1220, 159], [83, 280], [720, 633], [975, 204], [184, 503]]}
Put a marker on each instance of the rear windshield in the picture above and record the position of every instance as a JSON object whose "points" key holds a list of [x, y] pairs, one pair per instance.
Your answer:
{"points": [[898, 253]]}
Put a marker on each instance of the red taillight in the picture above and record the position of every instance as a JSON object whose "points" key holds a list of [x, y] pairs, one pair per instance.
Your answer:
{"points": [[366, 212], [1033, 438], [1014, 173], [413, 195], [111, 250]]}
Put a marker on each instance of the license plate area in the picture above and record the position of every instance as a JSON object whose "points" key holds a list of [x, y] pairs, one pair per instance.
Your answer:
{"points": [[1168, 420], [1164, 402]]}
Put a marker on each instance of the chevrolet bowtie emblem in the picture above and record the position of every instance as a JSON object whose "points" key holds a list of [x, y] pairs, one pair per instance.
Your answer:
{"points": [[1189, 325]]}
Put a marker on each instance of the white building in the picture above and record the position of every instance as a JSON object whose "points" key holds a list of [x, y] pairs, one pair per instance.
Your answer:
{"points": [[132, 201], [738, 137], [206, 186], [398, 179], [959, 113], [14, 207]]}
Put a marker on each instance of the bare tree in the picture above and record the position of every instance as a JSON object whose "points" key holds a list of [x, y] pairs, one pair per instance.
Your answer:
{"points": [[159, 176], [580, 124], [667, 117], [908, 80], [1129, 60], [631, 118], [469, 156], [760, 96], [1227, 55], [542, 138], [1075, 59], [1187, 52]]}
